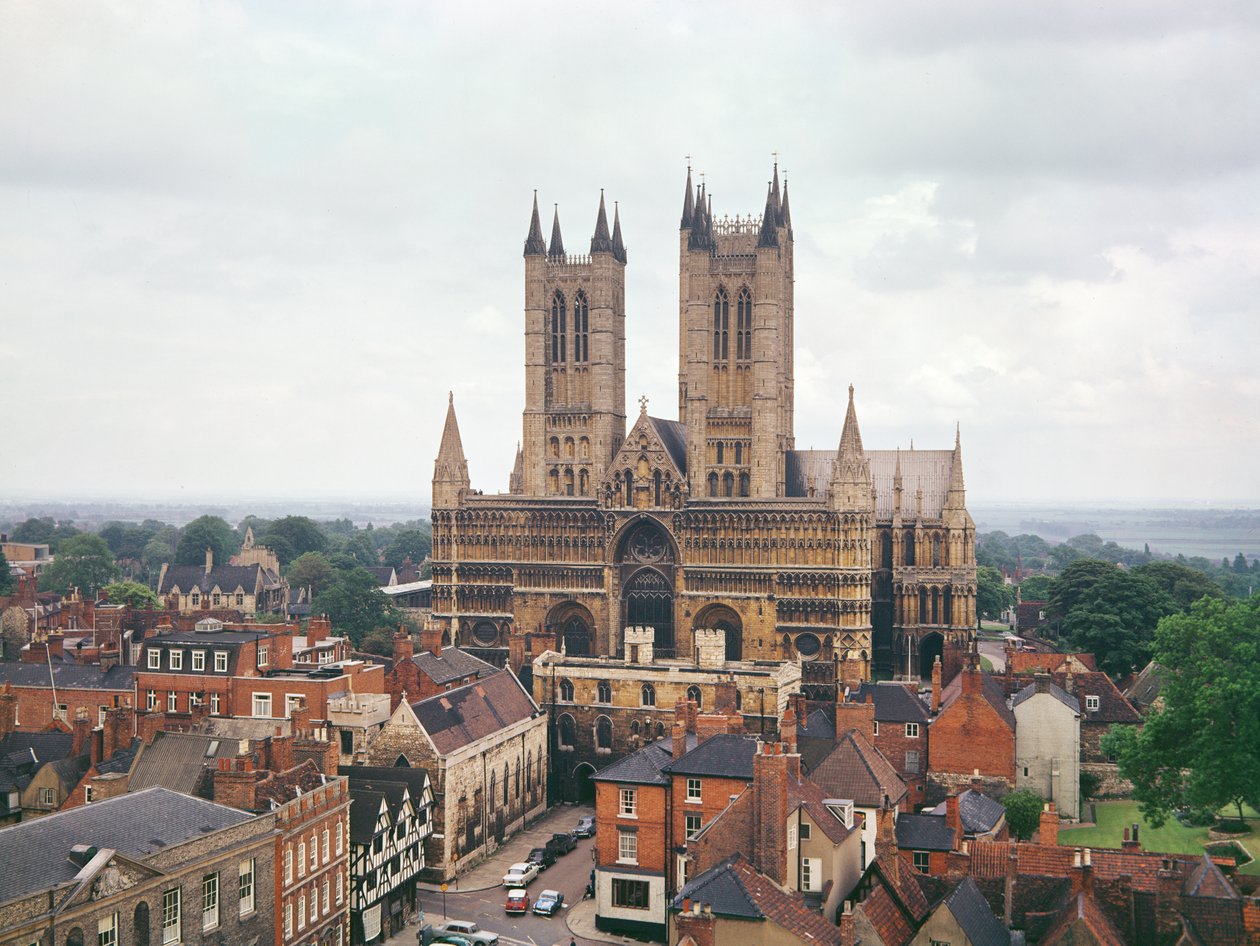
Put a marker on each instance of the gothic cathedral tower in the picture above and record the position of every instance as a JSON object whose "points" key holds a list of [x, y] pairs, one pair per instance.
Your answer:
{"points": [[575, 359], [735, 346]]}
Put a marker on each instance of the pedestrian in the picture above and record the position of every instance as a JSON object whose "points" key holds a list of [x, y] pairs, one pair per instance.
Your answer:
{"points": [[572, 941]]}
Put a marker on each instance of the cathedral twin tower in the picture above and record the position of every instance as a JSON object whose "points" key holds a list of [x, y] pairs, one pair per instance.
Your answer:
{"points": [[848, 557]]}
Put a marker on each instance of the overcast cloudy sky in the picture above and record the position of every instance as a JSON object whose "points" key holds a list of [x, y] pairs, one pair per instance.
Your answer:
{"points": [[247, 249]]}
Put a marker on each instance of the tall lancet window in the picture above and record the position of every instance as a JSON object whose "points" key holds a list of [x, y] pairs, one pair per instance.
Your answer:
{"points": [[743, 327], [558, 330], [721, 326], [580, 312]]}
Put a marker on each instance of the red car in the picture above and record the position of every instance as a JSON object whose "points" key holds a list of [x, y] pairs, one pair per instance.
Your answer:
{"points": [[517, 902]]}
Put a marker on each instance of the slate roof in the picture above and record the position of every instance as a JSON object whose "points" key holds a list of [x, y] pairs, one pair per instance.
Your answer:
{"points": [[285, 786], [224, 577], [990, 690], [121, 760], [181, 762], [382, 573], [44, 746], [855, 769], [1028, 692], [817, 725], [462, 716], [1206, 880], [978, 812], [71, 771], [1113, 707], [673, 436], [454, 664], [972, 913], [67, 676], [134, 825], [920, 469], [924, 833], [1146, 688], [643, 767], [726, 755], [894, 703], [734, 889], [365, 806], [372, 785]]}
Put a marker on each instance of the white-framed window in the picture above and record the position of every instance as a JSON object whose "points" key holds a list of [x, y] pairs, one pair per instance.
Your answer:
{"points": [[326, 895], [150, 699], [912, 730], [1091, 703], [220, 661], [215, 703], [107, 931], [922, 861], [628, 803], [210, 901], [216, 599], [171, 916], [314, 854], [912, 762], [806, 830], [288, 865], [339, 839], [314, 904], [875, 729], [195, 598], [302, 912], [240, 600], [693, 789], [47, 797], [262, 655], [177, 660], [301, 859], [262, 705], [172, 701], [100, 716], [340, 895], [87, 794], [199, 660], [291, 701], [155, 659], [246, 887], [627, 847], [811, 870], [61, 712], [324, 845], [288, 920], [791, 839], [340, 936], [692, 825]]}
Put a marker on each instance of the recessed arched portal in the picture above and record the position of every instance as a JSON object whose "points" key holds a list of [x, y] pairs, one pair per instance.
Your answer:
{"points": [[930, 647], [646, 556], [724, 619], [583, 787]]}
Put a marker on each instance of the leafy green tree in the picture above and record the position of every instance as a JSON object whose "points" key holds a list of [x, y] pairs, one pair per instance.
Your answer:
{"points": [[1183, 584], [414, 544], [7, 584], [131, 593], [1089, 545], [1023, 812], [360, 550], [1202, 748], [1077, 581], [159, 550], [293, 536], [84, 562], [313, 570], [1061, 556], [40, 531], [206, 532], [1115, 620], [1036, 588], [379, 642], [355, 605], [1240, 564], [993, 595]]}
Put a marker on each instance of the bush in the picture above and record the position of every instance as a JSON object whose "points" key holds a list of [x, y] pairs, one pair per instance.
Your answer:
{"points": [[1089, 784]]}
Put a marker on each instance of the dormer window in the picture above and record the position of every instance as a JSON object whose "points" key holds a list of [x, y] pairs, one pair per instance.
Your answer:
{"points": [[177, 660], [1091, 703], [155, 659]]}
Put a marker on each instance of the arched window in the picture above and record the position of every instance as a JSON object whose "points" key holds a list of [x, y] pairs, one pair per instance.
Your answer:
{"points": [[558, 333], [743, 327], [909, 548], [923, 606], [647, 695], [713, 484], [584, 483], [603, 692], [505, 783], [553, 481], [493, 785], [743, 484], [529, 770], [603, 733], [885, 550], [728, 484], [948, 606], [584, 447], [568, 482], [656, 486], [693, 694], [568, 448], [936, 551], [721, 452], [140, 925], [739, 700], [635, 728], [566, 690], [567, 730], [660, 730], [76, 936], [554, 444], [581, 353], [402, 762], [721, 326], [739, 453], [629, 477]]}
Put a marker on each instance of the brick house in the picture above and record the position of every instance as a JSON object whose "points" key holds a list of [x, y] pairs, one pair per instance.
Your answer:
{"points": [[149, 867], [973, 735], [250, 589], [432, 670], [485, 747], [901, 731], [94, 689]]}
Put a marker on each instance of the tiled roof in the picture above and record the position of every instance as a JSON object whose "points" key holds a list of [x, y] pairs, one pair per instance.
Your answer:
{"points": [[67, 676], [285, 786], [889, 922], [855, 769], [673, 436], [734, 889], [382, 573], [1082, 911], [818, 725], [1112, 705], [978, 812], [454, 664], [894, 703], [370, 786], [462, 716], [990, 690], [725, 755], [640, 768], [134, 825], [805, 793], [927, 470], [1028, 692], [1146, 688], [121, 760], [896, 906], [44, 746], [1206, 880], [924, 833], [182, 762], [226, 578], [973, 915]]}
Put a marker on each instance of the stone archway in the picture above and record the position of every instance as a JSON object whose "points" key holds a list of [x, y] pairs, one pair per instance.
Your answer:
{"points": [[646, 557], [583, 787], [724, 619], [574, 628], [931, 646]]}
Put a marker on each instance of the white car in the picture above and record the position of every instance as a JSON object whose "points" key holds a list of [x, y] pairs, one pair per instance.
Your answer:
{"points": [[519, 875], [468, 930]]}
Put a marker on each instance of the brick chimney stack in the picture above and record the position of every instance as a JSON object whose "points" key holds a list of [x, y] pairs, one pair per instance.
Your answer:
{"points": [[1048, 828], [936, 685], [787, 729], [82, 733], [149, 725], [697, 923], [8, 710], [119, 723], [431, 638], [236, 782], [972, 677], [300, 717], [953, 819], [1130, 842], [318, 628], [1041, 681], [848, 936], [56, 645], [770, 773], [404, 647], [859, 716], [679, 738]]}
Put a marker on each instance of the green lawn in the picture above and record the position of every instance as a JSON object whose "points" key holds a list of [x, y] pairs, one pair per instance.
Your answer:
{"points": [[1172, 838], [986, 664]]}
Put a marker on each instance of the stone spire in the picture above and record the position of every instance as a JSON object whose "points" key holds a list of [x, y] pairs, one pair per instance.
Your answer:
{"points": [[556, 249], [689, 206], [701, 236], [851, 486], [601, 242], [516, 481], [534, 243], [897, 485], [787, 211], [450, 470], [957, 495], [778, 202], [618, 248], [769, 220]]}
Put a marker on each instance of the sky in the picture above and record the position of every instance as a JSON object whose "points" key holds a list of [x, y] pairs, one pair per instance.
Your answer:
{"points": [[247, 249]]}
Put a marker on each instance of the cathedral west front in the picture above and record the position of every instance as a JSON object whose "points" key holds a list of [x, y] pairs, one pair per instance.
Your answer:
{"points": [[850, 561]]}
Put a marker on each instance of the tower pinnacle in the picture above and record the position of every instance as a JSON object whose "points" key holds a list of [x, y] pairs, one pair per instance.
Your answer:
{"points": [[689, 206], [534, 243], [618, 247], [556, 249], [601, 242]]}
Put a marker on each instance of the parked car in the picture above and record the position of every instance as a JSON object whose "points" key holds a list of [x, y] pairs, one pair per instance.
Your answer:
{"points": [[544, 857], [450, 939], [548, 902], [585, 827], [517, 902], [469, 931], [562, 843], [519, 875]]}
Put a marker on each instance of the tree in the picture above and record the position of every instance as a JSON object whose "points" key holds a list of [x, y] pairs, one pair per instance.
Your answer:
{"points": [[131, 593], [361, 551], [1075, 582], [206, 532], [1061, 556], [1183, 584], [379, 642], [993, 595], [84, 562], [355, 605], [415, 544], [292, 537], [1202, 748], [1023, 812], [160, 549], [313, 570], [7, 584], [1036, 588], [1115, 620]]}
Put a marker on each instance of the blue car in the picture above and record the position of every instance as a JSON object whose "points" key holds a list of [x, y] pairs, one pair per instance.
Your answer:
{"points": [[548, 902]]}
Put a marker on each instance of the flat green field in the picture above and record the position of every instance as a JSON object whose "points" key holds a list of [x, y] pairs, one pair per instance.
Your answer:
{"points": [[1172, 838]]}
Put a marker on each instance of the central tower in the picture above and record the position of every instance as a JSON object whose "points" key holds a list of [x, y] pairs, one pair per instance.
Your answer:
{"points": [[735, 346]]}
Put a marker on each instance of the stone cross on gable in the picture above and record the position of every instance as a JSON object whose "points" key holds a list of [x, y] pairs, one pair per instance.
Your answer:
{"points": [[643, 403]]}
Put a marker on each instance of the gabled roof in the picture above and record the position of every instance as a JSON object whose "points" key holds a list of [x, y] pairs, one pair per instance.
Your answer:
{"points": [[372, 786], [121, 760], [1028, 692], [1082, 920], [924, 833], [134, 825], [971, 911], [227, 578], [855, 769], [978, 812], [673, 436], [643, 767], [67, 676], [894, 703], [804, 793], [990, 691], [462, 716], [817, 725], [1146, 688], [40, 746], [1206, 880], [282, 787], [454, 664], [896, 906], [181, 761], [726, 755], [71, 771]]}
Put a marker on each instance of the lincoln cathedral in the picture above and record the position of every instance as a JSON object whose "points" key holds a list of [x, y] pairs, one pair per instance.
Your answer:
{"points": [[847, 558]]}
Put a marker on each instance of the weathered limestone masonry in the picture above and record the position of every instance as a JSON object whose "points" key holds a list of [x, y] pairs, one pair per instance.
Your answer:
{"points": [[712, 521]]}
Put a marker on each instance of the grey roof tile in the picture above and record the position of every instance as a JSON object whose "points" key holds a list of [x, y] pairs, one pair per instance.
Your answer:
{"points": [[727, 755], [924, 833], [1030, 691], [45, 746], [454, 664], [460, 717], [643, 767], [894, 703], [972, 912], [180, 761], [978, 812], [67, 676]]}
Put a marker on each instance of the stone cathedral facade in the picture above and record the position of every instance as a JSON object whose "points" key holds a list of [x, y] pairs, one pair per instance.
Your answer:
{"points": [[848, 560]]}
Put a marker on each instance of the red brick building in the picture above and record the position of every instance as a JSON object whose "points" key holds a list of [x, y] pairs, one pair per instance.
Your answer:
{"points": [[52, 694], [430, 671], [973, 735]]}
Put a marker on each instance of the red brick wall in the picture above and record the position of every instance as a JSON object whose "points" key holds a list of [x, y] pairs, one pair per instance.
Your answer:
{"points": [[650, 822], [715, 794], [304, 820], [893, 742], [971, 735], [35, 705]]}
